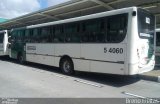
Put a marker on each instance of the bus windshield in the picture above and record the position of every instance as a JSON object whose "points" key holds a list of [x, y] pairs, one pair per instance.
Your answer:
{"points": [[146, 28], [146, 25]]}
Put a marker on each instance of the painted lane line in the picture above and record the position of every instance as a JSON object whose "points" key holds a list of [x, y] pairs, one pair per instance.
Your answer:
{"points": [[142, 97], [130, 94], [60, 76], [87, 83]]}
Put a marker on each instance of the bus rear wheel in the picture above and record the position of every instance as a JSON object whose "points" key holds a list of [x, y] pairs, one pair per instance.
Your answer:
{"points": [[67, 67]]}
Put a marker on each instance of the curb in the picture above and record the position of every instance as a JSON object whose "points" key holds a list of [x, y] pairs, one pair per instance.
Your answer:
{"points": [[149, 78]]}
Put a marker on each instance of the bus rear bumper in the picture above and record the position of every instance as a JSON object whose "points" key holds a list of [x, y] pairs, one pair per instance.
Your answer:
{"points": [[139, 69]]}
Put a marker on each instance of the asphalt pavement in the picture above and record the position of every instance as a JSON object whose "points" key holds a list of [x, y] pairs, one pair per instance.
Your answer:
{"points": [[40, 81]]}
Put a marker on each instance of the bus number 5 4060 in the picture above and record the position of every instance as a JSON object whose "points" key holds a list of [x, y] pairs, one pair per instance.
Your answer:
{"points": [[114, 50]]}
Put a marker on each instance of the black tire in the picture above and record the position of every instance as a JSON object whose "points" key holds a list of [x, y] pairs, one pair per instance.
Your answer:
{"points": [[20, 59], [67, 67]]}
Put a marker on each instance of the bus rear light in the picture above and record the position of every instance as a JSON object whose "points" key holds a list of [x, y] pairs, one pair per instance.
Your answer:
{"points": [[145, 60], [154, 62]]}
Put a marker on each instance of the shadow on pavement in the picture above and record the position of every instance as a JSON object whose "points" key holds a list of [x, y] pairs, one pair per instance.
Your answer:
{"points": [[106, 79]]}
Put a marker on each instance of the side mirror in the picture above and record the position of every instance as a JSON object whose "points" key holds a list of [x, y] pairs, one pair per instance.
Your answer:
{"points": [[9, 45], [10, 40]]}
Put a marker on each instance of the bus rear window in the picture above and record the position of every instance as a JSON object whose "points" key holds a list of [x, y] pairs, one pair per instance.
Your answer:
{"points": [[146, 24]]}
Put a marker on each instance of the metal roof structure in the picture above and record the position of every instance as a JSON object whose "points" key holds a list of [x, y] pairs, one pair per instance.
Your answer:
{"points": [[74, 8]]}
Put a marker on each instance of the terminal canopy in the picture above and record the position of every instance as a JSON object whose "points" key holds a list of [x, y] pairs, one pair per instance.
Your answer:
{"points": [[74, 8]]}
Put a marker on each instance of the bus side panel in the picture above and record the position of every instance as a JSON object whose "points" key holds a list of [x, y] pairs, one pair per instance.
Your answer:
{"points": [[5, 42], [82, 65], [132, 43], [71, 50], [105, 67], [2, 37], [1, 49], [40, 53], [105, 58]]}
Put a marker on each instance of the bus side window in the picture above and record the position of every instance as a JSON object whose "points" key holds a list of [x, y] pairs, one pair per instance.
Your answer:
{"points": [[35, 35], [76, 33], [93, 31], [50, 34], [68, 32], [101, 33], [84, 35], [88, 28], [52, 31], [71, 31], [116, 28], [59, 34], [22, 34], [13, 33], [19, 36], [27, 36], [46, 35], [31, 36]]}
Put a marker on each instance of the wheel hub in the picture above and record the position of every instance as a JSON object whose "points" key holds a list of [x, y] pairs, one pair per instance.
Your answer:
{"points": [[66, 66]]}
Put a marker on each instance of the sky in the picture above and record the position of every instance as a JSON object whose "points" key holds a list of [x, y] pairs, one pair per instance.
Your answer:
{"points": [[13, 8]]}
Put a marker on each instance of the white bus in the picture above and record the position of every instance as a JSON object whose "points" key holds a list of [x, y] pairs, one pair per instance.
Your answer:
{"points": [[4, 43], [116, 42]]}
